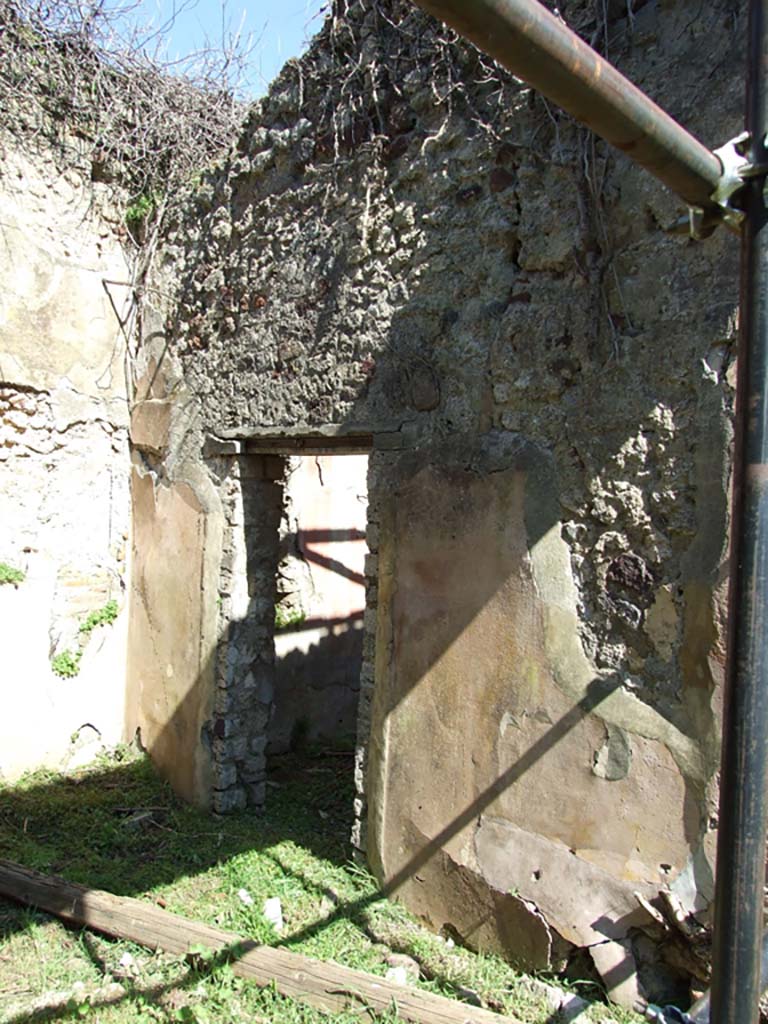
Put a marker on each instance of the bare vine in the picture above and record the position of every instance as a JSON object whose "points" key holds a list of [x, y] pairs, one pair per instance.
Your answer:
{"points": [[74, 70], [84, 81]]}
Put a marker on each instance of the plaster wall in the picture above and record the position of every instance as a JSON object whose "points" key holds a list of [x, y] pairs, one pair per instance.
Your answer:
{"points": [[171, 658], [64, 501]]}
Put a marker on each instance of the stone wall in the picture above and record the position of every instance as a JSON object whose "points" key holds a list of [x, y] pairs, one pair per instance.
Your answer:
{"points": [[246, 659], [64, 503], [408, 244]]}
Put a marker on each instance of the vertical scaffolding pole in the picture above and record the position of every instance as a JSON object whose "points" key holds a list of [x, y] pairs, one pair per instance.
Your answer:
{"points": [[741, 835]]}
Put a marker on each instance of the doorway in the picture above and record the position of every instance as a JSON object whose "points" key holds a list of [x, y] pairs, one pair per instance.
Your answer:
{"points": [[320, 604]]}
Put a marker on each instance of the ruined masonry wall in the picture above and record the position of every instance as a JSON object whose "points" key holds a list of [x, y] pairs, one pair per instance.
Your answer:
{"points": [[64, 502], [408, 244], [359, 835]]}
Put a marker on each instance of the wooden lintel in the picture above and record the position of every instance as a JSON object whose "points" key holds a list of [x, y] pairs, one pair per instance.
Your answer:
{"points": [[341, 444]]}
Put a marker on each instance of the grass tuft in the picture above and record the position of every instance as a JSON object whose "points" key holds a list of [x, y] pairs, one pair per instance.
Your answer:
{"points": [[66, 663]]}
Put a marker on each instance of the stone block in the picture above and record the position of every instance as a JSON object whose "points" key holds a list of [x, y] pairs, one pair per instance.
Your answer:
{"points": [[372, 535], [253, 768], [151, 425], [369, 621], [371, 564], [257, 793], [617, 967], [213, 446], [257, 744], [225, 775], [228, 800], [359, 838]]}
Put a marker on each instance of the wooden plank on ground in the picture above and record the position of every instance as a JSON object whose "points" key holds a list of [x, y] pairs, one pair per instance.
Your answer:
{"points": [[327, 986]]}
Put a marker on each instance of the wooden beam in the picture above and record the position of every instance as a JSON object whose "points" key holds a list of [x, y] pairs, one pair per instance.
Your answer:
{"points": [[327, 986]]}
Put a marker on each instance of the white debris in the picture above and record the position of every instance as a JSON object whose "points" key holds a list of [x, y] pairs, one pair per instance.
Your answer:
{"points": [[407, 963], [245, 897], [397, 974], [273, 912]]}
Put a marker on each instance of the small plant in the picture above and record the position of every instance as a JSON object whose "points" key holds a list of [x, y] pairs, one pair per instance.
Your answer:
{"points": [[66, 664], [285, 617], [10, 575], [139, 211], [102, 616]]}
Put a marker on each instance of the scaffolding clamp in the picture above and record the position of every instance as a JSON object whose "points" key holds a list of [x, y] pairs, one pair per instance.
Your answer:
{"points": [[737, 170], [667, 1015]]}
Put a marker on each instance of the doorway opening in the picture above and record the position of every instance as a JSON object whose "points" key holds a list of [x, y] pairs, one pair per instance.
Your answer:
{"points": [[305, 649], [320, 605], [297, 618]]}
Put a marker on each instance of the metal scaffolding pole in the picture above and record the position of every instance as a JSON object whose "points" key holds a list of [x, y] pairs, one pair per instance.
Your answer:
{"points": [[538, 48], [741, 836]]}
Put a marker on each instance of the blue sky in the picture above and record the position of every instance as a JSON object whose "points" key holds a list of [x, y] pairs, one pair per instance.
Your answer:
{"points": [[278, 29]]}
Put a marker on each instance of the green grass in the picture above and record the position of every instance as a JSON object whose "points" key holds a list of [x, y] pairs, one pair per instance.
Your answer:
{"points": [[139, 210], [285, 617], [66, 663], [115, 826]]}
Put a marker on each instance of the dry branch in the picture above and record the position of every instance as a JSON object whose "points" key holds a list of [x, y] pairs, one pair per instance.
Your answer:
{"points": [[71, 69]]}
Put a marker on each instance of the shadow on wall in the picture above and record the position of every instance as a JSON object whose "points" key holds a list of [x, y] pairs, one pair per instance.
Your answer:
{"points": [[485, 699], [317, 684], [514, 784], [307, 538]]}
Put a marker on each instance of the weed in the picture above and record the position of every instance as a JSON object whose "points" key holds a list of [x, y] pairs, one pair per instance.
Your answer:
{"points": [[140, 210], [102, 616], [8, 574], [285, 617], [67, 663]]}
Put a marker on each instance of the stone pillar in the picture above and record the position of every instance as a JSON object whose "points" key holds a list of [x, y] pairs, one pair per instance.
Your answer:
{"points": [[252, 494]]}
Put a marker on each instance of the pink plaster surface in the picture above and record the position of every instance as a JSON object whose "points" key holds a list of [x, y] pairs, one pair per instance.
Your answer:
{"points": [[329, 493]]}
